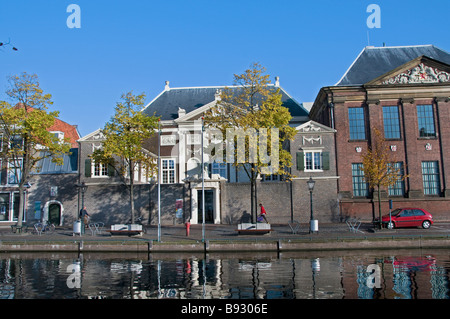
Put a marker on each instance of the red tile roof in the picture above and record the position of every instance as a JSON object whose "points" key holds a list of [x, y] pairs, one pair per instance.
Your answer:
{"points": [[70, 131]]}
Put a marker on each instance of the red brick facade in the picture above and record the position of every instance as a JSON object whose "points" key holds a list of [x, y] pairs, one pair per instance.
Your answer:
{"points": [[413, 148]]}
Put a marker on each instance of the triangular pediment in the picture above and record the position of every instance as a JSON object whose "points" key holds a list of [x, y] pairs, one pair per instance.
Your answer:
{"points": [[196, 114], [312, 127], [95, 136], [422, 70]]}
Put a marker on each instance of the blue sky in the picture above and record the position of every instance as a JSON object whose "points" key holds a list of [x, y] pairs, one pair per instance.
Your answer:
{"points": [[137, 45]]}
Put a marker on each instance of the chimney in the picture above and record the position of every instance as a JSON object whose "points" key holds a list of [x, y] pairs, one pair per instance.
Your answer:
{"points": [[277, 81], [181, 112], [217, 95], [167, 86]]}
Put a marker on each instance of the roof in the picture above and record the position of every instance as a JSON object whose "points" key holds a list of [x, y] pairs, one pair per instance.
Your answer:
{"points": [[373, 62], [167, 103], [70, 131], [69, 165]]}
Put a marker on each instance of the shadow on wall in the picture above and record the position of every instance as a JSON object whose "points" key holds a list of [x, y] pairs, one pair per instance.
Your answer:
{"points": [[110, 204], [170, 193], [237, 216]]}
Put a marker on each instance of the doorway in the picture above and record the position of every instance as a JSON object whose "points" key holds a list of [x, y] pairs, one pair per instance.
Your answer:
{"points": [[209, 206], [54, 214]]}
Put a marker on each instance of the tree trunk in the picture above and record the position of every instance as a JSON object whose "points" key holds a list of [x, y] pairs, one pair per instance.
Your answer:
{"points": [[252, 202], [21, 204], [131, 168], [23, 179], [379, 207]]}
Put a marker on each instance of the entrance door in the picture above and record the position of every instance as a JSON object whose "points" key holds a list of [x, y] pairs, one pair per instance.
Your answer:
{"points": [[54, 214], [209, 206]]}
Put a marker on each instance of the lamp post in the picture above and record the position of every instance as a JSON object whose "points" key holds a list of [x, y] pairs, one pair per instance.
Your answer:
{"points": [[203, 188], [312, 223], [159, 180], [83, 188]]}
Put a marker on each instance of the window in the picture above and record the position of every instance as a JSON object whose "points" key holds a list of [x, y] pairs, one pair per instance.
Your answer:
{"points": [[313, 161], [430, 177], [398, 189], [360, 187], [4, 207], [14, 171], [59, 135], [16, 142], [271, 177], [168, 171], [219, 168], [357, 123], [391, 122], [425, 119], [418, 212], [100, 170], [16, 202]]}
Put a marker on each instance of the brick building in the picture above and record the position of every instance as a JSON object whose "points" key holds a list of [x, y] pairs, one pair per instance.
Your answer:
{"points": [[51, 192], [405, 93], [227, 188]]}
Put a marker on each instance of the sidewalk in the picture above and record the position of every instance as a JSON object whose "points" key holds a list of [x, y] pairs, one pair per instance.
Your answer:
{"points": [[226, 238]]}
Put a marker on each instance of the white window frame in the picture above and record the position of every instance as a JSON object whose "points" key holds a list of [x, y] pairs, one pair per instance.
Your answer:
{"points": [[103, 170], [313, 161], [271, 178], [11, 171], [217, 168], [59, 135], [12, 217], [8, 212], [163, 170]]}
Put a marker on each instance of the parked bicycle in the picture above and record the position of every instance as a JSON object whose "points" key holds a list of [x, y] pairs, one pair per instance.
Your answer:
{"points": [[138, 221], [44, 227]]}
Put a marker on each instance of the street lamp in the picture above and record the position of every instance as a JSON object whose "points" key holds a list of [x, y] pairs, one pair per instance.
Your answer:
{"points": [[83, 188], [203, 185], [159, 180], [313, 224]]}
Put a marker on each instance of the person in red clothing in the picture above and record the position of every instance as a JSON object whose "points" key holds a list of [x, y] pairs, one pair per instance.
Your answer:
{"points": [[263, 213]]}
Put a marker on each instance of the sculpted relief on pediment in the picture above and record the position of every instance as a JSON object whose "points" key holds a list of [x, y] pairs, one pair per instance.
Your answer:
{"points": [[420, 74]]}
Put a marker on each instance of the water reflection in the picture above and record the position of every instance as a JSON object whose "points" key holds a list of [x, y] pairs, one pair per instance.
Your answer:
{"points": [[409, 275]]}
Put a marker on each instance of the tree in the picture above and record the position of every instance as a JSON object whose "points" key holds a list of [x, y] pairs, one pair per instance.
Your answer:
{"points": [[124, 135], [254, 123], [24, 127], [379, 167]]}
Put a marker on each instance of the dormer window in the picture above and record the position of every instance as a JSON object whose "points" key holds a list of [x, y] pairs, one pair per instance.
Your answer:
{"points": [[59, 135]]}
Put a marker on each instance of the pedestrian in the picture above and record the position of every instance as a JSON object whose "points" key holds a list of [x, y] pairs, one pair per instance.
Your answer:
{"points": [[83, 218], [263, 213]]}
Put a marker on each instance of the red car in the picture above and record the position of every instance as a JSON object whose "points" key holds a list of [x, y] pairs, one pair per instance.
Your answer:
{"points": [[408, 217]]}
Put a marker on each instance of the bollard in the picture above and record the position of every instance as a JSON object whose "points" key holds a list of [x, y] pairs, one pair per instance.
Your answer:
{"points": [[188, 228]]}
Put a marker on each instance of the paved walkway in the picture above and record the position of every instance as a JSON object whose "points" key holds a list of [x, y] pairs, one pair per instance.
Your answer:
{"points": [[228, 233]]}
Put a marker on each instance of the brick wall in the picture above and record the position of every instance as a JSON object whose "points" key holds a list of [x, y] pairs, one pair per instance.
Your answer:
{"points": [[411, 148], [276, 199]]}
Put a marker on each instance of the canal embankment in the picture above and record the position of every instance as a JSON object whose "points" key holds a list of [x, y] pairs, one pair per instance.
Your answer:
{"points": [[224, 238]]}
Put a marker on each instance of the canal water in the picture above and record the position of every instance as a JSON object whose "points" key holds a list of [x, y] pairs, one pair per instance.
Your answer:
{"points": [[400, 274]]}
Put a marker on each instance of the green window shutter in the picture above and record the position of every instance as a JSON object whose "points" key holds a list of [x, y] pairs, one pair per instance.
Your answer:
{"points": [[325, 161], [87, 167], [300, 161], [110, 170]]}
